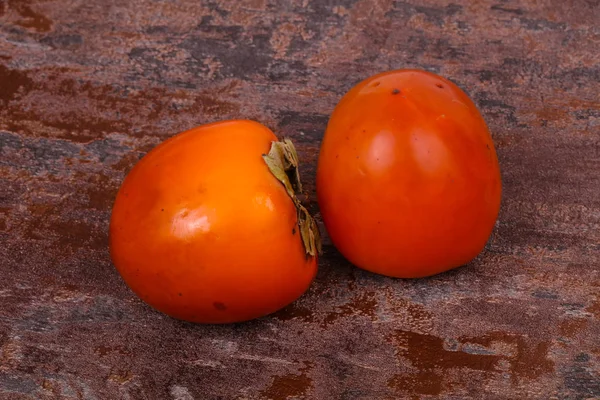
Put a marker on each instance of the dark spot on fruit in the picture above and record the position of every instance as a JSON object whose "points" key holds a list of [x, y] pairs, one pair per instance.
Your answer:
{"points": [[364, 130], [439, 85], [180, 294], [219, 306], [396, 91], [488, 146], [162, 209], [293, 230]]}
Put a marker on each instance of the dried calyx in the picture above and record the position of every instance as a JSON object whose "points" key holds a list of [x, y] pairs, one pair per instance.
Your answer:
{"points": [[282, 160]]}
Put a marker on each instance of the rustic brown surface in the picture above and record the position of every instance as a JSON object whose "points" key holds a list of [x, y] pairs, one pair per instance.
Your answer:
{"points": [[87, 87]]}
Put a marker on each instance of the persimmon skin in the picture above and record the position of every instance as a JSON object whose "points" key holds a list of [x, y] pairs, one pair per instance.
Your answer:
{"points": [[202, 231], [408, 181]]}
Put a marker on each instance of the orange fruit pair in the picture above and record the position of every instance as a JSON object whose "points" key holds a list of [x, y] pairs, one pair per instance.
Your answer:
{"points": [[208, 227]]}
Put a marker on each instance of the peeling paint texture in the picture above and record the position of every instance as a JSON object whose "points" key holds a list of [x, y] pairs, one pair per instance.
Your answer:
{"points": [[88, 87]]}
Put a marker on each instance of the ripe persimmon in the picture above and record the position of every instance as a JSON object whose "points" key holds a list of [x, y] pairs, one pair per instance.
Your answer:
{"points": [[207, 226], [408, 181]]}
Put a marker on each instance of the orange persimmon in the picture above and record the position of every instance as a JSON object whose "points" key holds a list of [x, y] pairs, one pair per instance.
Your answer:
{"points": [[207, 228], [408, 181]]}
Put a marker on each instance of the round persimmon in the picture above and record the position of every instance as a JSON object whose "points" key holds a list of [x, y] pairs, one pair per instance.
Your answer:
{"points": [[408, 181], [207, 226]]}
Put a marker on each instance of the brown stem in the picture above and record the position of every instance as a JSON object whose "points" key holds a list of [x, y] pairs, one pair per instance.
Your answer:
{"points": [[282, 161]]}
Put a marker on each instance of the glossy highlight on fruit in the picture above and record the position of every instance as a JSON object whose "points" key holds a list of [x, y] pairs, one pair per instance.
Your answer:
{"points": [[408, 180], [204, 231]]}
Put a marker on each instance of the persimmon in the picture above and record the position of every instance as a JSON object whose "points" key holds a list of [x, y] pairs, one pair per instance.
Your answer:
{"points": [[207, 227], [408, 181]]}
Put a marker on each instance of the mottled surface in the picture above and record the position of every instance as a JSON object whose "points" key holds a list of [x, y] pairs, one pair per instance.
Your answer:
{"points": [[87, 87]]}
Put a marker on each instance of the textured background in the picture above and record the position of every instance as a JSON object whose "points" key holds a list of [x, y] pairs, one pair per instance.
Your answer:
{"points": [[88, 87]]}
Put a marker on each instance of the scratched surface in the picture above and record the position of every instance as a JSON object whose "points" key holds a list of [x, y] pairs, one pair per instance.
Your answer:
{"points": [[88, 87]]}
